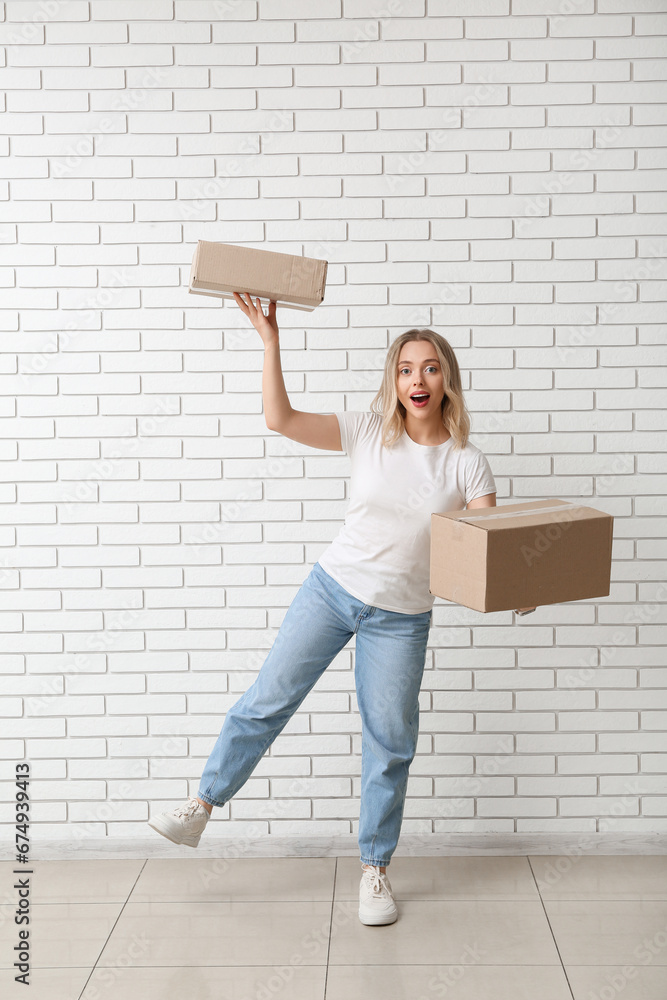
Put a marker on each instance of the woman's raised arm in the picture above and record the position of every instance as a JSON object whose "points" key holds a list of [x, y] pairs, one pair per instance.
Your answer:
{"points": [[317, 430]]}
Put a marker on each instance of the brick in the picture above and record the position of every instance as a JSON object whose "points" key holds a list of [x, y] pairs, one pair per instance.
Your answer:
{"points": [[556, 785], [142, 10], [300, 53], [293, 9], [517, 806]]}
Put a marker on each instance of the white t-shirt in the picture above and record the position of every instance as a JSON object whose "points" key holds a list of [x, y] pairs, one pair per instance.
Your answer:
{"points": [[382, 553]]}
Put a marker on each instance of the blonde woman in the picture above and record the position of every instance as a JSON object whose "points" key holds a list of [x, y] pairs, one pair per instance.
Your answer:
{"points": [[410, 456]]}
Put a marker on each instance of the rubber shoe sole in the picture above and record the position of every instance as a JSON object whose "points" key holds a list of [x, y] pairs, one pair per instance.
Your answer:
{"points": [[375, 919], [173, 831]]}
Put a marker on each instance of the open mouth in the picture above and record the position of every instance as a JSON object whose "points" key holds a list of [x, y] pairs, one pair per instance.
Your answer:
{"points": [[420, 398]]}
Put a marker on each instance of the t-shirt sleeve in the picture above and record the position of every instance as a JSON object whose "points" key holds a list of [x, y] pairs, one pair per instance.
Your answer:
{"points": [[353, 424], [479, 478]]}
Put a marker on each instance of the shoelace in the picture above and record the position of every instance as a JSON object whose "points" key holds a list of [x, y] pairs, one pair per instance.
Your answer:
{"points": [[189, 808], [375, 880]]}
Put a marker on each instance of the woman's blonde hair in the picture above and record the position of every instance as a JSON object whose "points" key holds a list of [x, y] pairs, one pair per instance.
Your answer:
{"points": [[455, 416]]}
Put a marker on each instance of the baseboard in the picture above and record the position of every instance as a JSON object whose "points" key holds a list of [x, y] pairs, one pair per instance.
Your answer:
{"points": [[410, 845]]}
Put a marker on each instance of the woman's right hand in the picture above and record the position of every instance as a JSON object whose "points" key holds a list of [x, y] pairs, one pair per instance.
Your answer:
{"points": [[266, 326]]}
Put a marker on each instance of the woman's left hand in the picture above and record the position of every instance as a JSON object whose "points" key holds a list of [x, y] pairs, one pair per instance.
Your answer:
{"points": [[524, 611]]}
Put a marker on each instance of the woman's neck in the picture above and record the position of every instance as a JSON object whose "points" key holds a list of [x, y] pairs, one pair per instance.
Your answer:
{"points": [[431, 433]]}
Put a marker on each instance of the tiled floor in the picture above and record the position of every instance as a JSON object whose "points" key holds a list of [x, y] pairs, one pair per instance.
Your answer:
{"points": [[469, 928]]}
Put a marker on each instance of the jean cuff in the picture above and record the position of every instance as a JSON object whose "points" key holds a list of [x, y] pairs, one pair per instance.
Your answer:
{"points": [[202, 795]]}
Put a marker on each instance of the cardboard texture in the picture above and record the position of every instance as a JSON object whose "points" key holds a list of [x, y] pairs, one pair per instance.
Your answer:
{"points": [[220, 269], [521, 555]]}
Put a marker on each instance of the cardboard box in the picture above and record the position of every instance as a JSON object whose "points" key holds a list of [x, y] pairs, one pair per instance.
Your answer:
{"points": [[220, 269], [521, 555]]}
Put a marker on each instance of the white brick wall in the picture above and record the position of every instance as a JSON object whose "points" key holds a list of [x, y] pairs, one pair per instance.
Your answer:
{"points": [[493, 169]]}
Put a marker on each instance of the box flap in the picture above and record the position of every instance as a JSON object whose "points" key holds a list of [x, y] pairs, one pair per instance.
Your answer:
{"points": [[514, 515]]}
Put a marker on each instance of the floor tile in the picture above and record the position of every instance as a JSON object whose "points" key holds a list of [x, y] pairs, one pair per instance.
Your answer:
{"points": [[634, 982], [84, 881], [62, 934], [45, 984], [222, 933], [620, 876], [446, 878], [602, 932], [460, 982], [288, 982], [255, 879], [462, 931]]}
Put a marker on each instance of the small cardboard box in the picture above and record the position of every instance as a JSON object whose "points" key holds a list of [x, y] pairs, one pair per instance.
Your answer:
{"points": [[521, 555], [220, 269]]}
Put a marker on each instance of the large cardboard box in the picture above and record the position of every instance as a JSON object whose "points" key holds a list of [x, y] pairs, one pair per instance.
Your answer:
{"points": [[220, 269], [521, 555]]}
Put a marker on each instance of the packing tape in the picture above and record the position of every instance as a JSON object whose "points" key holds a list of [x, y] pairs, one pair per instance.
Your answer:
{"points": [[518, 513]]}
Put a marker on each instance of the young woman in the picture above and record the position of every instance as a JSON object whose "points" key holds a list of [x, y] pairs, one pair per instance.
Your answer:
{"points": [[410, 457]]}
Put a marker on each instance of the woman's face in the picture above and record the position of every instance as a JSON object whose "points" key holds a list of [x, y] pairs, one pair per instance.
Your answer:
{"points": [[419, 374]]}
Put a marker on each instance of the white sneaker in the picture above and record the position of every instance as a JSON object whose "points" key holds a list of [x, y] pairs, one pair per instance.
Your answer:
{"points": [[376, 900], [184, 824]]}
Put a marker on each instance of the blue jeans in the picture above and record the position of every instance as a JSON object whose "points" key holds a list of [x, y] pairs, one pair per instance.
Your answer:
{"points": [[389, 664]]}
